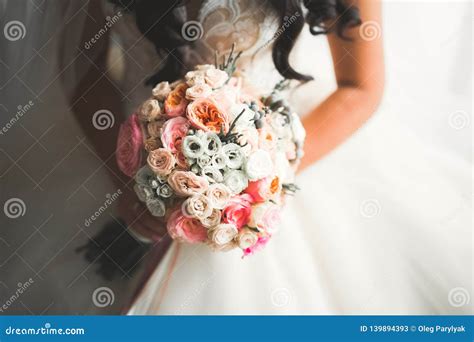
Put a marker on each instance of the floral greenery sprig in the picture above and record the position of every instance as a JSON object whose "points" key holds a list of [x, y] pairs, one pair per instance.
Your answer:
{"points": [[228, 65], [290, 188], [231, 137]]}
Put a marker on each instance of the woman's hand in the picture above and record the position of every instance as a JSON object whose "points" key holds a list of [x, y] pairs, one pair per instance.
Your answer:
{"points": [[138, 218]]}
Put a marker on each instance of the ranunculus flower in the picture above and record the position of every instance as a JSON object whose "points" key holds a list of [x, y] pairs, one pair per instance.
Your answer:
{"points": [[128, 153], [215, 77], [205, 114], [161, 90], [150, 110], [197, 206], [185, 229], [218, 194], [197, 91], [246, 238], [265, 216], [174, 130], [238, 210], [161, 161], [264, 189], [222, 234], [259, 165], [175, 103], [187, 183]]}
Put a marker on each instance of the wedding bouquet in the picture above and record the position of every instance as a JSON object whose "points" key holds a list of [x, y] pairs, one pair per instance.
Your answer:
{"points": [[219, 157]]}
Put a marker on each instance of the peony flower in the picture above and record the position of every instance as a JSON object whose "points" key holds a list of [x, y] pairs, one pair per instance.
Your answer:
{"points": [[265, 216], [218, 195], [205, 114], [246, 238], [198, 91], [264, 189], [222, 234], [259, 165], [234, 154], [212, 220], [215, 77], [156, 207], [128, 153], [197, 206], [186, 183], [150, 110], [236, 181], [161, 91], [237, 210], [175, 103], [185, 229], [161, 161], [174, 130]]}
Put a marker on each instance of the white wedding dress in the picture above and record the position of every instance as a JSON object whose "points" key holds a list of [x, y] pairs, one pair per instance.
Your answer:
{"points": [[380, 226]]}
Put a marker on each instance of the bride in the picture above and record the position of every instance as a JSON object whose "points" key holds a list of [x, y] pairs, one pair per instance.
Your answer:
{"points": [[286, 278]]}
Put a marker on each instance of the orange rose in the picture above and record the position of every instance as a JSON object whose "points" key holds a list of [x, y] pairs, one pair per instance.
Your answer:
{"points": [[206, 115], [175, 103]]}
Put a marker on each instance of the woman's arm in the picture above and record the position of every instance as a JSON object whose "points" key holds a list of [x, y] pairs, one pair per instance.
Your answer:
{"points": [[359, 69]]}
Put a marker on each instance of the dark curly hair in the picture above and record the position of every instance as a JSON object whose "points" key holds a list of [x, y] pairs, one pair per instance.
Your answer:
{"points": [[160, 23]]}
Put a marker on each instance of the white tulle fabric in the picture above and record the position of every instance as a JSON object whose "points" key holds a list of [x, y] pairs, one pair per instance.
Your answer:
{"points": [[381, 225]]}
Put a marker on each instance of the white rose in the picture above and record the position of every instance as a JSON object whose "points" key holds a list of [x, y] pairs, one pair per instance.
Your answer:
{"points": [[223, 233], [215, 77], [246, 238], [197, 91], [283, 168], [212, 220], [246, 119], [259, 165], [161, 90], [194, 78], [205, 67], [218, 194], [236, 180], [197, 206]]}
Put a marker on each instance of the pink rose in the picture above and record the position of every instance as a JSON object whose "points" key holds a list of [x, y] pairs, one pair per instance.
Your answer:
{"points": [[185, 229], [187, 183], [238, 210], [264, 189], [161, 161], [129, 143], [205, 114], [174, 130], [175, 103]]}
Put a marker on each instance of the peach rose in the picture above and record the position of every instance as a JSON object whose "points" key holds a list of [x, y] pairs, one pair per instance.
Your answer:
{"points": [[151, 144], [161, 161], [205, 114], [197, 91], [238, 210], [174, 130], [264, 189], [175, 103], [129, 143], [150, 110], [265, 216], [185, 229], [187, 183], [161, 90], [215, 77]]}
